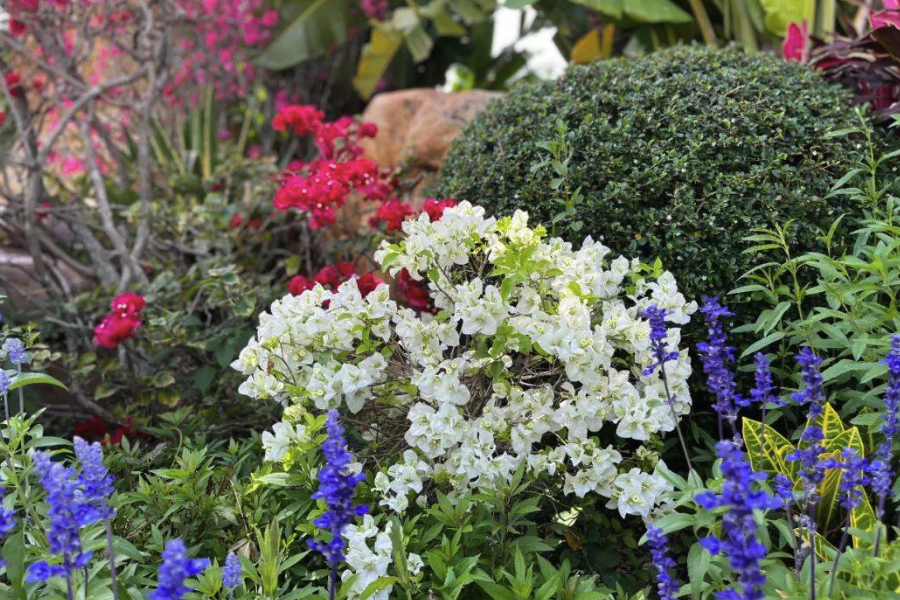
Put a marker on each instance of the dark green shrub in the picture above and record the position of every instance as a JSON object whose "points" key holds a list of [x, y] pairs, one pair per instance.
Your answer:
{"points": [[678, 155]]}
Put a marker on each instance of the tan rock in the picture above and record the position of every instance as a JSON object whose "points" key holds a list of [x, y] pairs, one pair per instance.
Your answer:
{"points": [[416, 127], [415, 130]]}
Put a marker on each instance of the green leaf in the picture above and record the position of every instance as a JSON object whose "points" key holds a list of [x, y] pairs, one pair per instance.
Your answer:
{"points": [[13, 552], [319, 25], [656, 11], [862, 517], [781, 13], [495, 591], [377, 56], [777, 447], [280, 479], [697, 563], [760, 344], [517, 4], [608, 8], [22, 379]]}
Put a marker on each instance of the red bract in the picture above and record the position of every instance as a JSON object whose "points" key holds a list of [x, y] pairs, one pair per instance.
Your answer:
{"points": [[415, 292], [128, 304], [796, 43], [92, 429], [435, 208], [393, 213], [115, 329], [299, 284], [328, 277], [367, 283], [300, 119], [127, 430], [2, 118], [236, 221]]}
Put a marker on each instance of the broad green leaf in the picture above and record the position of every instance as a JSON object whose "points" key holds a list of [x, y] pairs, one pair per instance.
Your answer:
{"points": [[697, 563], [22, 379], [862, 517], [516, 4], [777, 447], [781, 13], [849, 438], [319, 25], [760, 344], [376, 57], [608, 8], [828, 510], [824, 549], [656, 11]]}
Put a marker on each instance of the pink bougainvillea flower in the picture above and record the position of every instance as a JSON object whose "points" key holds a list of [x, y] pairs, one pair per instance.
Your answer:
{"points": [[367, 283], [115, 329], [299, 284], [796, 43], [415, 292], [236, 221], [128, 304], [2, 118], [301, 119], [393, 213], [435, 208]]}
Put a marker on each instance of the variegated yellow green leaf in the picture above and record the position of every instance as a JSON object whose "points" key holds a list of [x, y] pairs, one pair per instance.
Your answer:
{"points": [[828, 510], [824, 549], [863, 518], [830, 422], [849, 438], [777, 447]]}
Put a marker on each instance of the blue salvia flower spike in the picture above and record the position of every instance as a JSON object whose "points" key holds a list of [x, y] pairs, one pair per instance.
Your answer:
{"points": [[175, 570]]}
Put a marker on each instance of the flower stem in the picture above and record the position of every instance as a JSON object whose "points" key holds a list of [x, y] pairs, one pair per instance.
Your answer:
{"points": [[21, 395], [837, 556], [9, 429], [112, 559], [69, 593], [332, 584]]}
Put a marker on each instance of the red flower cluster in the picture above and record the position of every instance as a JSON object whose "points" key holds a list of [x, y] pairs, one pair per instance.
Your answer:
{"points": [[323, 185], [332, 276], [392, 213], [121, 323], [415, 292], [435, 208], [300, 119], [96, 429]]}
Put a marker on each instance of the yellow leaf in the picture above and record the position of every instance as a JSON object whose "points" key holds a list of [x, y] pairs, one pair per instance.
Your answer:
{"points": [[376, 57], [587, 48]]}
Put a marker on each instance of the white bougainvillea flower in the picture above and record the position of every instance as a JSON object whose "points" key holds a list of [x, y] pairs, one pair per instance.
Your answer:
{"points": [[534, 361]]}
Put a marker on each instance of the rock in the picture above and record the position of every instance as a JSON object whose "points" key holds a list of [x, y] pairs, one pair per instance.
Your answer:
{"points": [[416, 127]]}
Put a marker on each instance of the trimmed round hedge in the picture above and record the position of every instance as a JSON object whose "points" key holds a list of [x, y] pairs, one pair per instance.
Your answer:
{"points": [[679, 155]]}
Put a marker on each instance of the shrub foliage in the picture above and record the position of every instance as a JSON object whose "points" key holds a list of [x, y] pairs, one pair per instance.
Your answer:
{"points": [[678, 155]]}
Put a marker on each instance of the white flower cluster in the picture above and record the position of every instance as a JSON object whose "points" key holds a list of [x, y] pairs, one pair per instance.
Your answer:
{"points": [[370, 563], [537, 347]]}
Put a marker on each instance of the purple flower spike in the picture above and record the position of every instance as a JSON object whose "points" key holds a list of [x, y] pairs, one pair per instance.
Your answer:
{"points": [[739, 542], [176, 568], [668, 586], [716, 354], [336, 486]]}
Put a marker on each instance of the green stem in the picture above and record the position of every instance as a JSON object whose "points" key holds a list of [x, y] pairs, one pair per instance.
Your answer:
{"points": [[704, 23]]}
